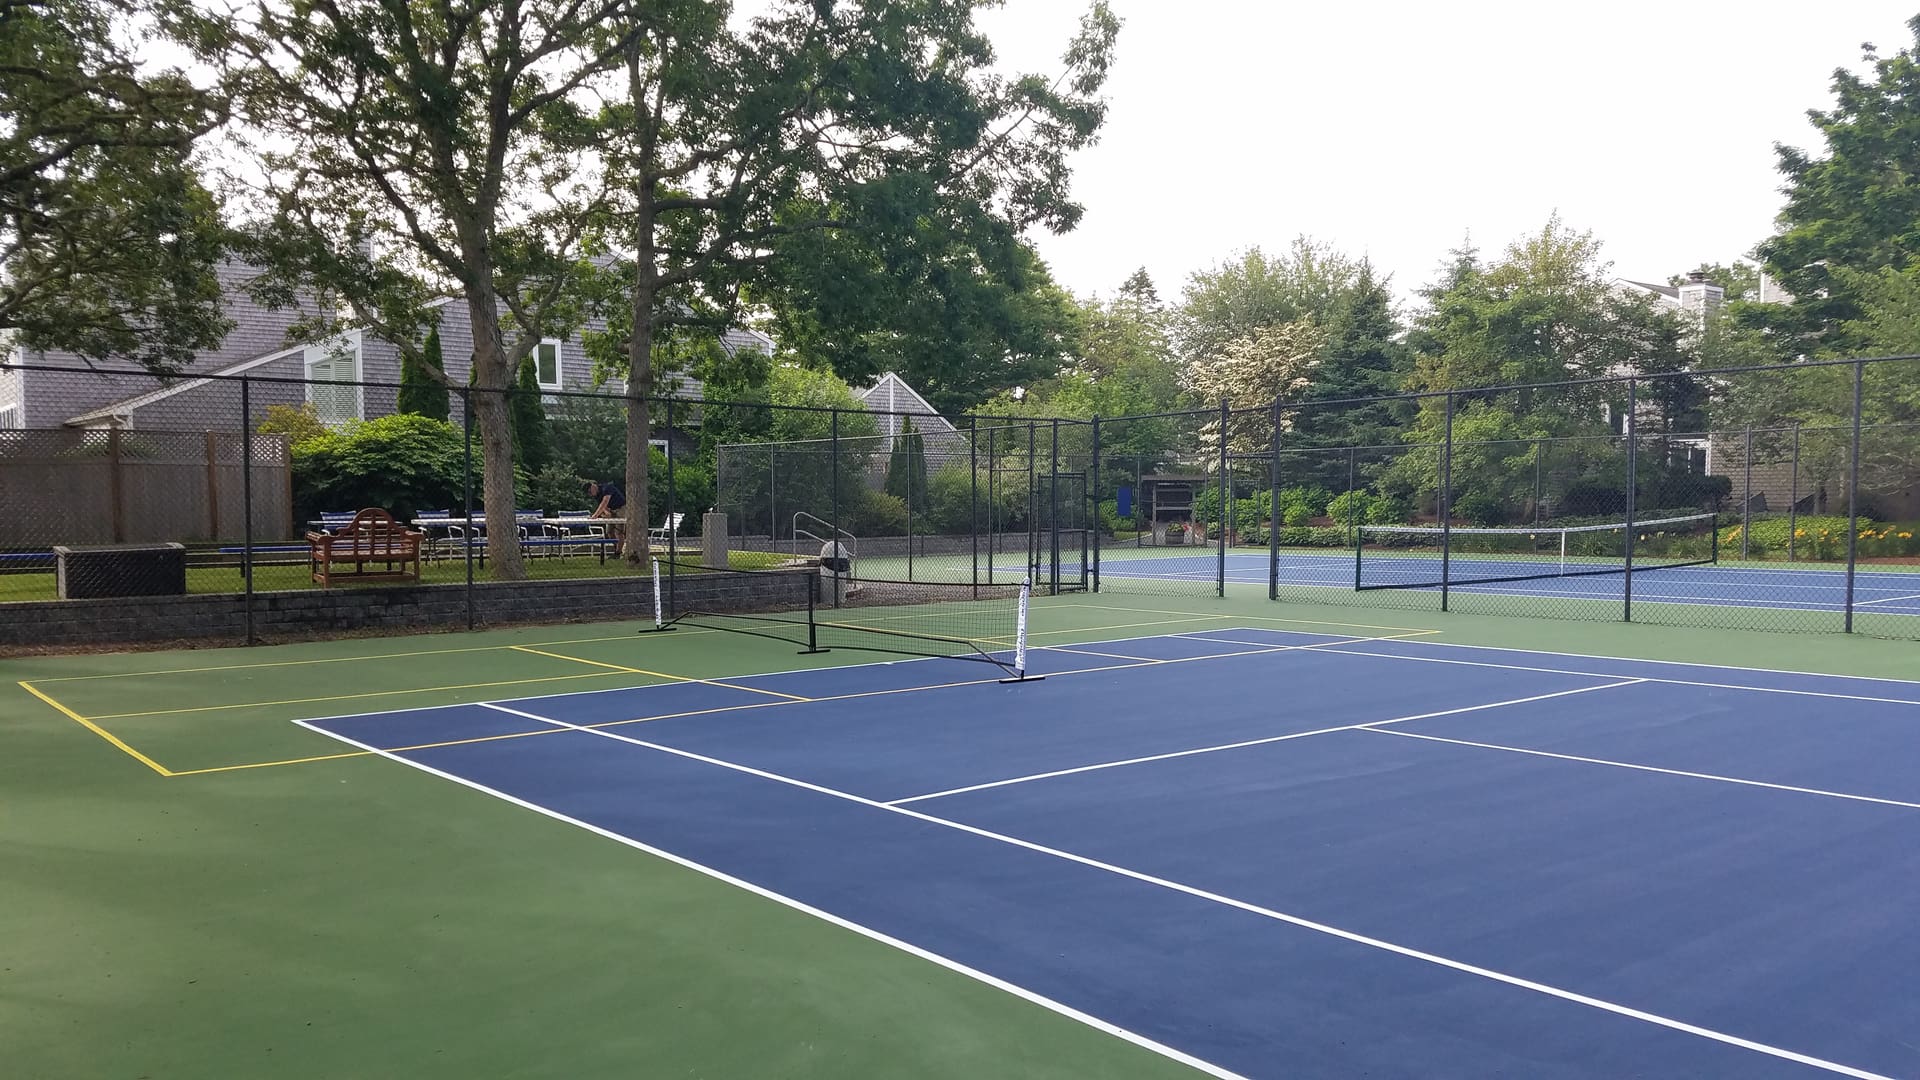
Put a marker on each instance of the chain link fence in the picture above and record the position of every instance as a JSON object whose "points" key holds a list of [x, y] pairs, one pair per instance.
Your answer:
{"points": [[1780, 498]]}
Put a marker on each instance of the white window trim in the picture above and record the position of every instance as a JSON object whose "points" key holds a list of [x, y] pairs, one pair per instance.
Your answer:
{"points": [[347, 343], [559, 365], [11, 417]]}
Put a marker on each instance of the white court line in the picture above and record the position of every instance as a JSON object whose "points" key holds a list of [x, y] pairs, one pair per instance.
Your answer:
{"points": [[1097, 767], [1887, 600], [1189, 890], [1427, 642], [1651, 768], [678, 681], [1106, 655], [823, 915], [1614, 675]]}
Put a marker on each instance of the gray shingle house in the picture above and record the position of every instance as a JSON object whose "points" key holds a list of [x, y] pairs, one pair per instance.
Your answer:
{"points": [[284, 373]]}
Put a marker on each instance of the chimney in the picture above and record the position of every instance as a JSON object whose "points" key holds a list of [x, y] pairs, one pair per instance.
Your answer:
{"points": [[1699, 297]]}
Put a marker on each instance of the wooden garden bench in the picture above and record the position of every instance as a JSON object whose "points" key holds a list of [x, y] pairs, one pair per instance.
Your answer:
{"points": [[378, 547]]}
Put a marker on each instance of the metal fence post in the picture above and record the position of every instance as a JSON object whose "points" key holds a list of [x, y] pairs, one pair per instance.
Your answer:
{"points": [[833, 464], [1273, 510], [1539, 452], [973, 496], [246, 501], [1746, 497], [1446, 509], [1633, 494], [1226, 495], [1853, 492], [1053, 512], [673, 531], [1793, 500], [466, 496], [1093, 488]]}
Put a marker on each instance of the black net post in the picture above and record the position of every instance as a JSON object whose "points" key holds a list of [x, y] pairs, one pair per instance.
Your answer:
{"points": [[973, 496], [1746, 495], [466, 496], [1053, 512], [246, 501], [1853, 493], [1445, 506], [1631, 427], [1093, 488], [1226, 494]]}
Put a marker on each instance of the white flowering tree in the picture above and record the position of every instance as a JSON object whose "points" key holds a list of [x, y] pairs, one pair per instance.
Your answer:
{"points": [[1250, 373]]}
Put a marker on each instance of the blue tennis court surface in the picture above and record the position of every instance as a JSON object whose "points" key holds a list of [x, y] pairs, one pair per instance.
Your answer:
{"points": [[1886, 592], [1281, 854]]}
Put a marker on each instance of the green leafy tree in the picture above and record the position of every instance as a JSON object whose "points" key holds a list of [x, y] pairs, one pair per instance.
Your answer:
{"points": [[108, 239], [1308, 282], [423, 381], [1852, 207], [411, 151], [297, 422], [857, 169], [1543, 313], [773, 462], [1365, 356], [532, 442]]}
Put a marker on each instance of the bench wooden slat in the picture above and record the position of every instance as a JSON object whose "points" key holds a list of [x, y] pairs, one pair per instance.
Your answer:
{"points": [[371, 537]]}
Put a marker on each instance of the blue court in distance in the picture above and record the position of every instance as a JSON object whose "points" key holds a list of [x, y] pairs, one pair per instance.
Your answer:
{"points": [[1884, 592], [1280, 854]]}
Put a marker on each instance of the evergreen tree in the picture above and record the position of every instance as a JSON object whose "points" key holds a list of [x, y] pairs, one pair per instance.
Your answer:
{"points": [[532, 442], [907, 468], [1363, 357], [421, 393]]}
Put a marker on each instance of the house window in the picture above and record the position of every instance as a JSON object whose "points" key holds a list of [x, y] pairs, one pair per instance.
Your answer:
{"points": [[332, 370], [546, 364], [10, 418]]}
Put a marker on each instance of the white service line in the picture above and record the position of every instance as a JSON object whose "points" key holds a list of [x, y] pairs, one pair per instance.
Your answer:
{"points": [[1332, 648], [1253, 742], [1226, 901], [1888, 600], [1651, 768], [823, 915]]}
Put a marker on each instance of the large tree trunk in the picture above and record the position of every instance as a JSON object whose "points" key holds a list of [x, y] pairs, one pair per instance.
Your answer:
{"points": [[489, 404]]}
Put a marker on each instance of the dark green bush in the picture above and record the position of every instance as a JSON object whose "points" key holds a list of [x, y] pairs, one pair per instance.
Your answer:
{"points": [[400, 463]]}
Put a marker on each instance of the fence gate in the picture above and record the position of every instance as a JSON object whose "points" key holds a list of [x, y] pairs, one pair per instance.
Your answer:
{"points": [[1057, 556]]}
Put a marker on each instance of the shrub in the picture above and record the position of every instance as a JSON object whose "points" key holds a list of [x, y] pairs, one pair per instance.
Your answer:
{"points": [[1813, 537], [400, 463], [1480, 508], [1589, 496], [1390, 510], [1312, 536], [876, 513], [1350, 508], [1314, 498], [1295, 514]]}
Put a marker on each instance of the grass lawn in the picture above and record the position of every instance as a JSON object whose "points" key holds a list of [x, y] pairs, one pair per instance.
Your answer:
{"points": [[214, 580]]}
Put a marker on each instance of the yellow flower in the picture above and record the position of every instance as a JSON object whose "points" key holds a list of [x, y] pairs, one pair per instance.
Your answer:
{"points": [[1906, 536]]}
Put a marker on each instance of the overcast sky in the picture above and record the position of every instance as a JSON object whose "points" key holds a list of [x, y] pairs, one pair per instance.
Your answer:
{"points": [[1394, 129]]}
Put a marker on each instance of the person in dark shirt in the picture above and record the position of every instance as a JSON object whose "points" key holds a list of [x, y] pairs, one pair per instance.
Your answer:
{"points": [[611, 501]]}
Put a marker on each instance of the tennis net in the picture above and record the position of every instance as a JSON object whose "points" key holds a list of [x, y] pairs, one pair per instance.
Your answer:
{"points": [[1424, 557], [986, 623]]}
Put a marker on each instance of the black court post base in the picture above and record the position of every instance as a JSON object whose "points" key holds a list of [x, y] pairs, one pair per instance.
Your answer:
{"points": [[1024, 678]]}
